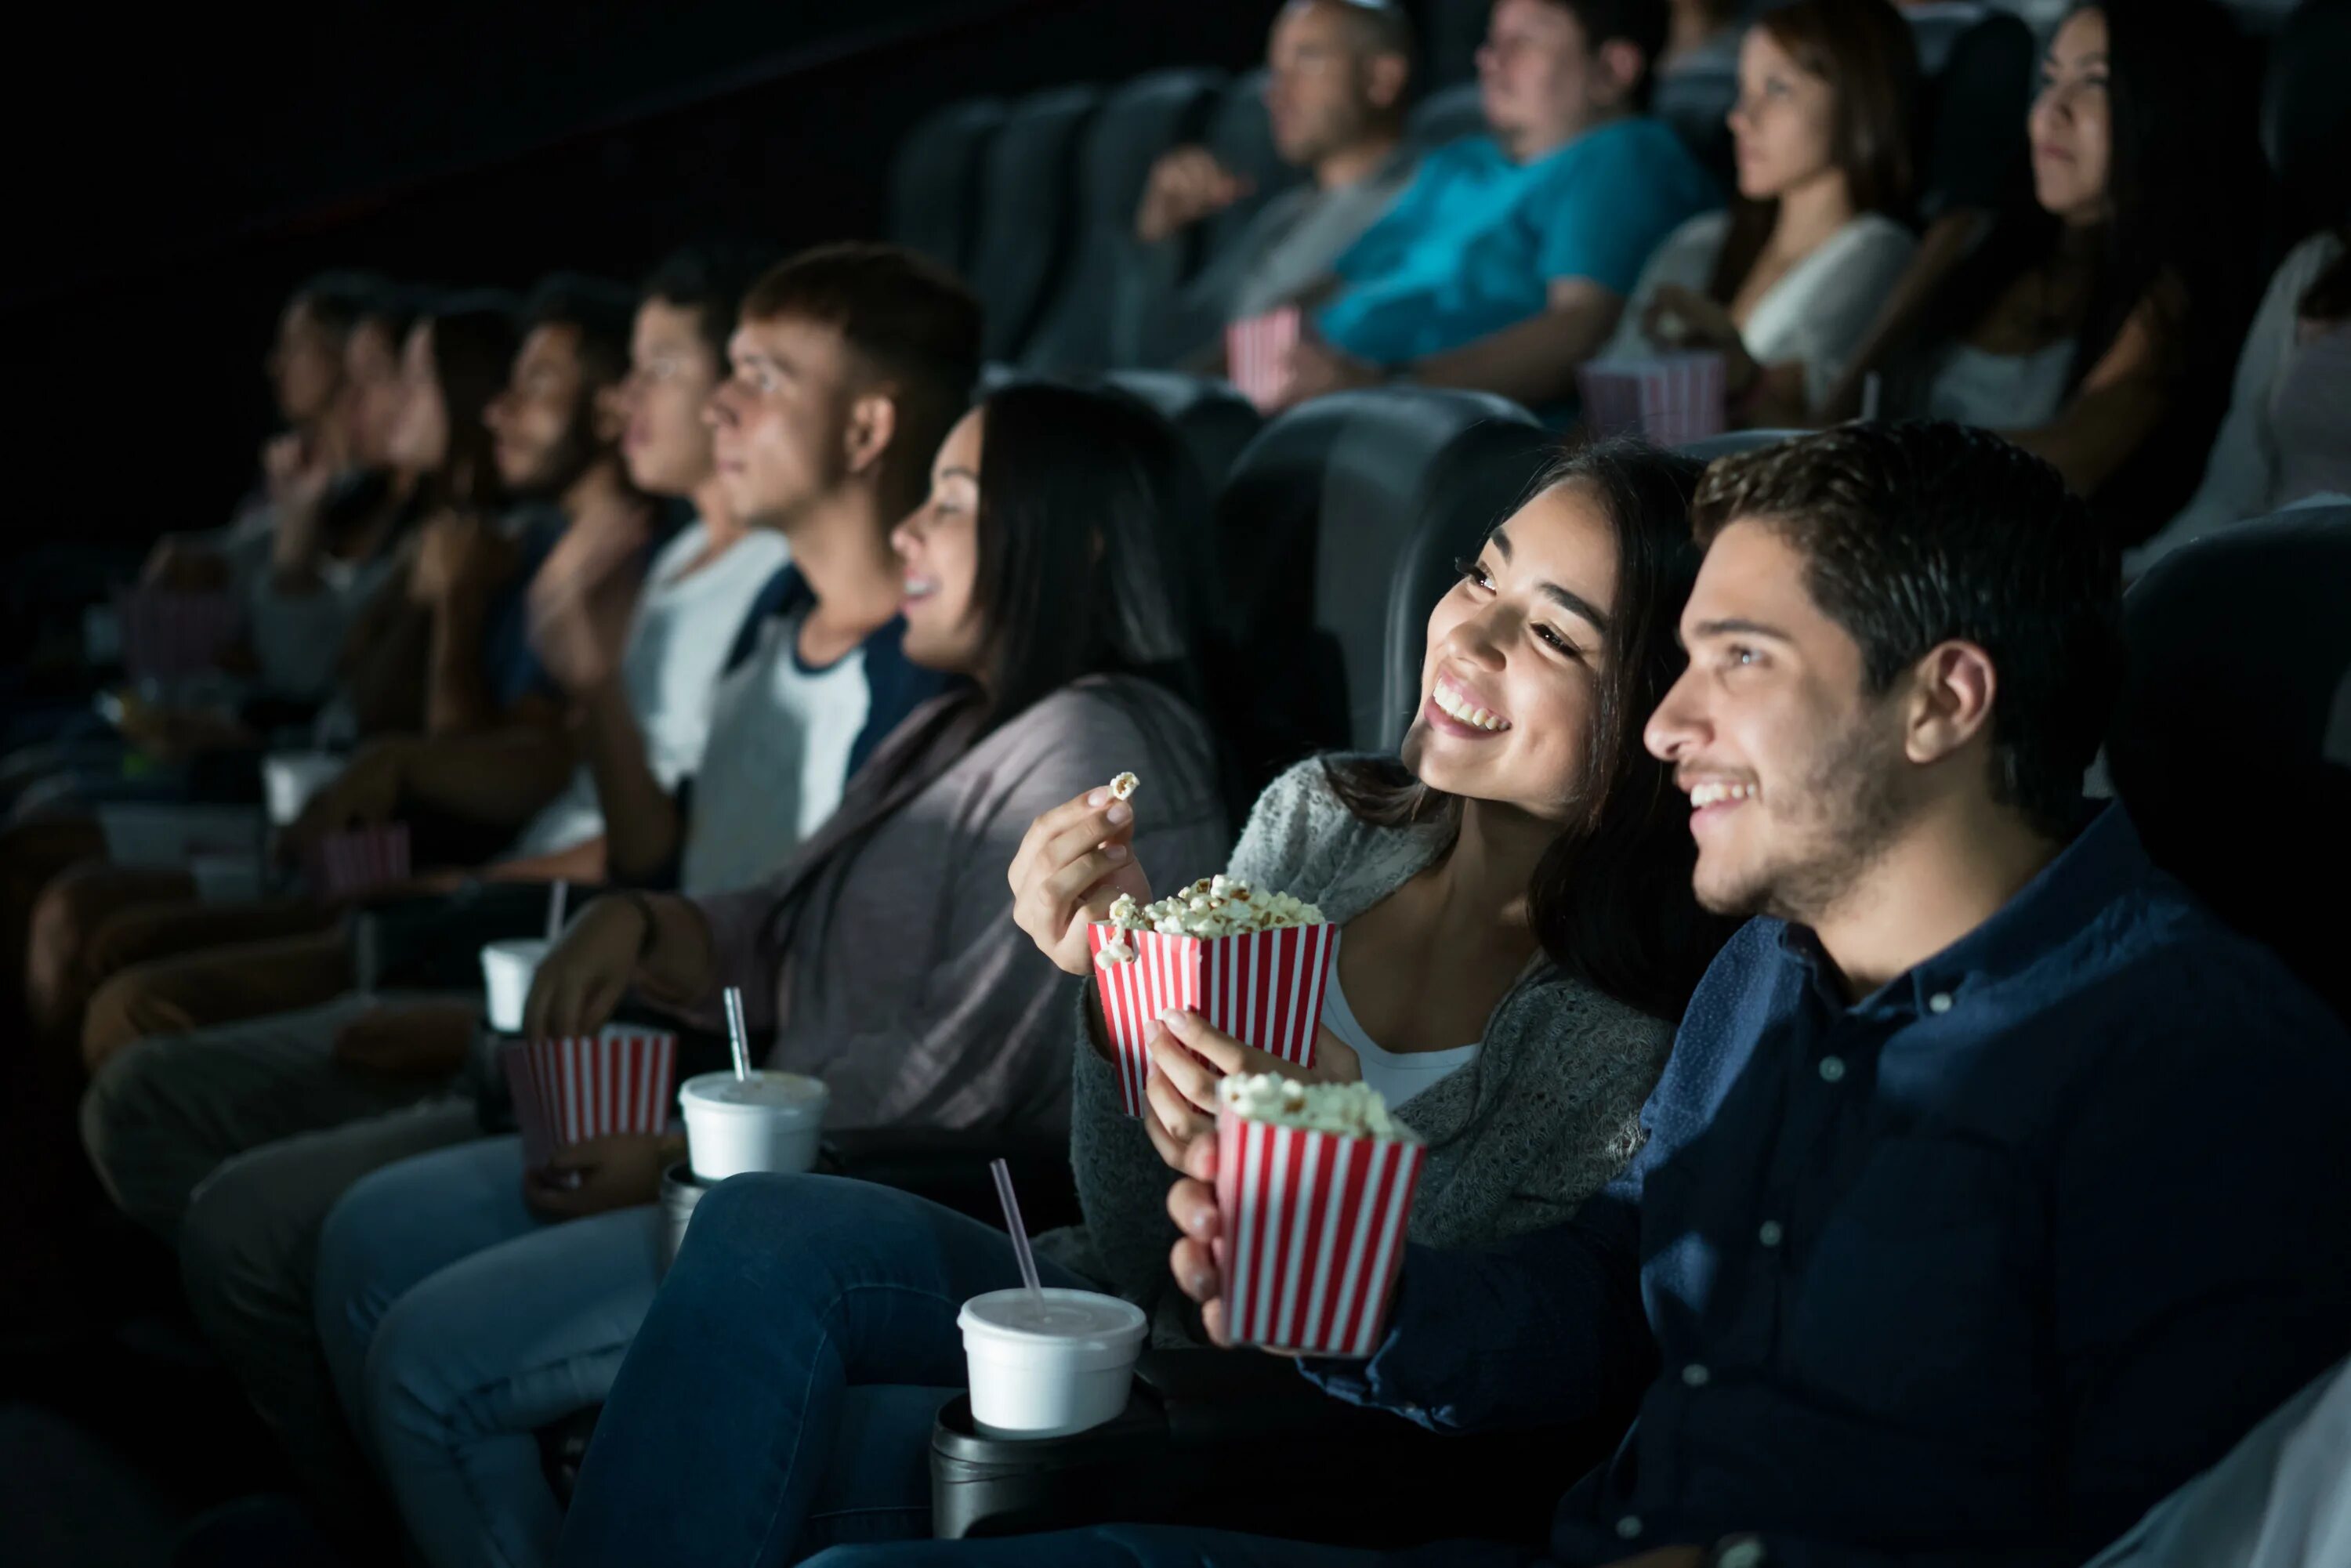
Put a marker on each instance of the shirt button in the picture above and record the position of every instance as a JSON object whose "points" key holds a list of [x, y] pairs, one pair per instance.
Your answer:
{"points": [[1628, 1527], [1940, 1002], [1832, 1069], [1695, 1375], [1769, 1233]]}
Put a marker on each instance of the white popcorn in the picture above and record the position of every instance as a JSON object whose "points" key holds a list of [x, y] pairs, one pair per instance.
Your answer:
{"points": [[1347, 1110], [1123, 787], [1216, 906]]}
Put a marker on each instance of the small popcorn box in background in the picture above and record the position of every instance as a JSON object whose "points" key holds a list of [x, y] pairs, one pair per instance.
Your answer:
{"points": [[580, 1087], [165, 634], [1263, 987], [358, 861], [1257, 355], [1310, 1233], [1669, 398]]}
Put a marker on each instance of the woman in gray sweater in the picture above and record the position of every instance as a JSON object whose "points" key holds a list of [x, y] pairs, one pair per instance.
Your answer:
{"points": [[1518, 879]]}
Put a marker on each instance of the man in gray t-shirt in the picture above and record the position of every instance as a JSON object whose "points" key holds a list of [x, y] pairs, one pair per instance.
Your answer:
{"points": [[1337, 74]]}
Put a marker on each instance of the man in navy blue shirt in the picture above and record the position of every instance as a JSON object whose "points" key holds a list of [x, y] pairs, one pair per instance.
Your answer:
{"points": [[1994, 1187]]}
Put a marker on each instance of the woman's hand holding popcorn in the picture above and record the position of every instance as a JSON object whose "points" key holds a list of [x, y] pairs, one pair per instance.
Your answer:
{"points": [[1190, 1056], [1075, 861]]}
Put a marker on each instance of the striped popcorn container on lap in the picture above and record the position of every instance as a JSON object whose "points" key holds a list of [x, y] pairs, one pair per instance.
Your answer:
{"points": [[358, 861], [1263, 987], [1257, 355], [1668, 399], [1310, 1232], [569, 1089]]}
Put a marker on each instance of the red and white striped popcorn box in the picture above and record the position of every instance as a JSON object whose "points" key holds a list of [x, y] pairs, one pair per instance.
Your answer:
{"points": [[358, 861], [570, 1090], [1257, 355], [1264, 988], [167, 633], [1310, 1233], [1669, 398]]}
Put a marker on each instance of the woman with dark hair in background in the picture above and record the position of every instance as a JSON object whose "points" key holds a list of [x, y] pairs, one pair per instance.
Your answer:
{"points": [[2287, 439], [1786, 282], [1518, 879], [2096, 327], [1056, 568]]}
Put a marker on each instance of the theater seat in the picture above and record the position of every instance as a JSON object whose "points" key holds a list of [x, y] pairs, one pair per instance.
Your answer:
{"points": [[1024, 219], [935, 180], [1215, 420], [2306, 120], [1732, 443], [1139, 121], [2231, 744], [1446, 116], [1241, 137], [1975, 154], [1694, 101]]}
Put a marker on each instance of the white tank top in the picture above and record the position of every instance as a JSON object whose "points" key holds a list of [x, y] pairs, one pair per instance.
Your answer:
{"points": [[1397, 1075]]}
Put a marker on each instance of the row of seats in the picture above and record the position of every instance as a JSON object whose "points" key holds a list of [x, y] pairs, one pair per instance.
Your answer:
{"points": [[1033, 200]]}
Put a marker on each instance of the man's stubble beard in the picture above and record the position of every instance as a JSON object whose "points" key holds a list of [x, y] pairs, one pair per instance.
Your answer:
{"points": [[1855, 812]]}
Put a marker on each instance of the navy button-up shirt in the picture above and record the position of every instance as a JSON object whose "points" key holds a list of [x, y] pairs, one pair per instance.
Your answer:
{"points": [[1971, 1271]]}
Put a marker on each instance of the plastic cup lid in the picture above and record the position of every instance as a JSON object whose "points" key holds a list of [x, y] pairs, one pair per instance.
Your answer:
{"points": [[774, 1093], [1080, 1319]]}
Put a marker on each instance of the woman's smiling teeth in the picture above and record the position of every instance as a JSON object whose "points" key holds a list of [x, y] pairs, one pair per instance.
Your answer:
{"points": [[920, 588], [1455, 703], [1704, 795]]}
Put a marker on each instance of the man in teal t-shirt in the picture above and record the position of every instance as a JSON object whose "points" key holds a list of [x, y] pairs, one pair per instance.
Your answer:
{"points": [[1507, 262]]}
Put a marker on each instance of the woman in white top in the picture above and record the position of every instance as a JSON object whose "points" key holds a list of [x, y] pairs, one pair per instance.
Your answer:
{"points": [[2287, 438], [1787, 280]]}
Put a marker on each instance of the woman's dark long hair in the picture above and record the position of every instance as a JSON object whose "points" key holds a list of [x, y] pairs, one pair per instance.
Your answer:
{"points": [[1865, 52], [1093, 526], [473, 343], [1611, 899], [2183, 178]]}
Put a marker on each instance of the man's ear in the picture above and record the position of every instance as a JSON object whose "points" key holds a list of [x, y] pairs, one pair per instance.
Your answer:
{"points": [[873, 424], [1622, 64], [608, 416], [1385, 79], [1951, 702]]}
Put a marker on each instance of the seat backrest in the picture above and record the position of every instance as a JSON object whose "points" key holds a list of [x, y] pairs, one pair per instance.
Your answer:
{"points": [[1215, 420], [935, 180], [2231, 744], [1694, 101], [1240, 134], [1027, 200], [1450, 33], [2307, 119], [1446, 116], [1731, 442], [1139, 121], [1971, 124]]}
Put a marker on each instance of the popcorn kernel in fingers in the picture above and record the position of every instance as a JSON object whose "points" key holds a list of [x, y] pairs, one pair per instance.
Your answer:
{"points": [[1123, 787]]}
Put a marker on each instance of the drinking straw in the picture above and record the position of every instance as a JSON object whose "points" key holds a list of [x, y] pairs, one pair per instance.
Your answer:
{"points": [[1003, 1175], [555, 910], [738, 1037]]}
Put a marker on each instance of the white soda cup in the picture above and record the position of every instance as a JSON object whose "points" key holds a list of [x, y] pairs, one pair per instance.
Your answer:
{"points": [[507, 970], [289, 779], [769, 1122], [1051, 1370]]}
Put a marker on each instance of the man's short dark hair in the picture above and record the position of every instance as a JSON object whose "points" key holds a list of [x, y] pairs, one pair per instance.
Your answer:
{"points": [[911, 322], [1923, 532], [709, 279], [336, 300], [1641, 23], [1378, 26], [602, 311]]}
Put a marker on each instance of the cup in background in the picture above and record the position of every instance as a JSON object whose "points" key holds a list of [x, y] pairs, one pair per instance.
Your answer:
{"points": [[289, 779], [772, 1121], [507, 968], [1051, 1370]]}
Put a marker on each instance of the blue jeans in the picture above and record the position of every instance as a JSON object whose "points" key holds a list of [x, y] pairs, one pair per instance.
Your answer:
{"points": [[456, 1323], [781, 1394]]}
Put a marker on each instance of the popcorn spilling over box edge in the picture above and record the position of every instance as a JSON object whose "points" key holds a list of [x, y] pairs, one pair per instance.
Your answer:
{"points": [[1253, 964], [1314, 1190]]}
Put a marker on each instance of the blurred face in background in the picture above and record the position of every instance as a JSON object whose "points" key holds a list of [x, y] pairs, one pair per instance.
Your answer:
{"points": [[1784, 121], [1540, 81], [939, 546], [305, 366], [779, 419], [1323, 92], [2072, 124], [1511, 679], [671, 373], [418, 441], [541, 423], [373, 393]]}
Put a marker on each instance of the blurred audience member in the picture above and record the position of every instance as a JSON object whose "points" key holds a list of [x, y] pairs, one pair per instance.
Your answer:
{"points": [[844, 359], [1507, 262], [1786, 282], [2287, 438], [1338, 73], [2095, 327]]}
